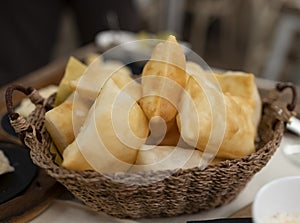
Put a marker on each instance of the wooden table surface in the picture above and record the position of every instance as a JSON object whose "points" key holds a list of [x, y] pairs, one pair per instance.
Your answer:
{"points": [[51, 74]]}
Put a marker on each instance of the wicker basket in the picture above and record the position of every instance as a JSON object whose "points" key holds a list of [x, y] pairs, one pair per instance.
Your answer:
{"points": [[166, 193]]}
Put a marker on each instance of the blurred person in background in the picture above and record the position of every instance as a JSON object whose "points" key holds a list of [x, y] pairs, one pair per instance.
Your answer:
{"points": [[29, 29]]}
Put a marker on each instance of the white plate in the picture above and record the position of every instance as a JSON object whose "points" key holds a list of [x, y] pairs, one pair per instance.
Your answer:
{"points": [[281, 196]]}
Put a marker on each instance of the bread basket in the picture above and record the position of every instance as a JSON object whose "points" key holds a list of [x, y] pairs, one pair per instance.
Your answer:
{"points": [[159, 193]]}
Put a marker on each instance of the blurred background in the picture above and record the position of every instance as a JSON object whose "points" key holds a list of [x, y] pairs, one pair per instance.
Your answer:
{"points": [[258, 36]]}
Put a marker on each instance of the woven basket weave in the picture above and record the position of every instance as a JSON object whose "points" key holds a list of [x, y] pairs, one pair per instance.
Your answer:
{"points": [[152, 194]]}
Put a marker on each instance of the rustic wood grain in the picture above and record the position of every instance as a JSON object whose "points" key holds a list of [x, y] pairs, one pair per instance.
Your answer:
{"points": [[245, 212], [39, 195]]}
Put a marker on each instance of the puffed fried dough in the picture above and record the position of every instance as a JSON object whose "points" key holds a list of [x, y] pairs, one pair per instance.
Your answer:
{"points": [[167, 65], [239, 129], [243, 85], [5, 166], [89, 85], [100, 141], [62, 122], [74, 70], [235, 83], [155, 158]]}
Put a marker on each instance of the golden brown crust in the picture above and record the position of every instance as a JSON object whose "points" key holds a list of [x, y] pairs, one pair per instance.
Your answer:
{"points": [[163, 79], [236, 121], [101, 141]]}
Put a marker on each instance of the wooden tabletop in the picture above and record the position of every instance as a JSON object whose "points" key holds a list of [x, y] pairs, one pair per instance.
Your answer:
{"points": [[51, 74]]}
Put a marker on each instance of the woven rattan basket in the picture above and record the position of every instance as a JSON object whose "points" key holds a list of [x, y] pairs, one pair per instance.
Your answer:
{"points": [[166, 193]]}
